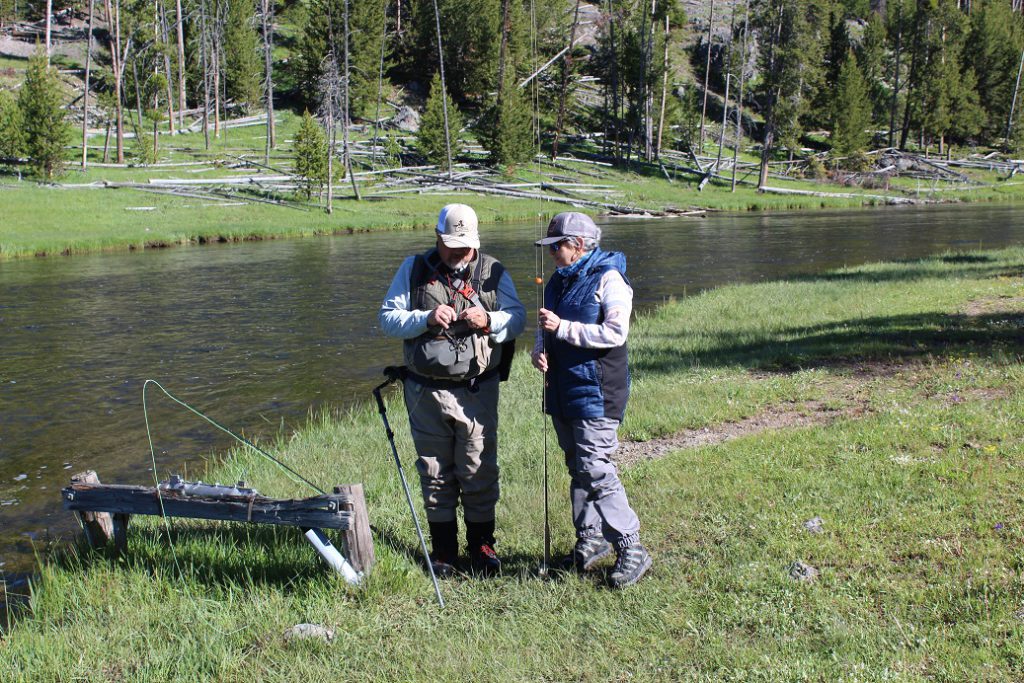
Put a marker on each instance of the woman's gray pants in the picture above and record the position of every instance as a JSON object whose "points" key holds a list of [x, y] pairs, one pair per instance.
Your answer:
{"points": [[599, 504]]}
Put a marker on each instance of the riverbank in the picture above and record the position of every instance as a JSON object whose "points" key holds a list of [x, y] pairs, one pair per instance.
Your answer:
{"points": [[882, 401], [111, 208]]}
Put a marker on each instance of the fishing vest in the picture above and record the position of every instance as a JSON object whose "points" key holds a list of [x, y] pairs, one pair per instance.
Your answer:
{"points": [[457, 353], [585, 383]]}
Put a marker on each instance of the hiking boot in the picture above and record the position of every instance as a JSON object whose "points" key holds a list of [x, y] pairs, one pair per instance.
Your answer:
{"points": [[588, 552], [444, 538], [632, 563], [442, 565], [485, 560]]}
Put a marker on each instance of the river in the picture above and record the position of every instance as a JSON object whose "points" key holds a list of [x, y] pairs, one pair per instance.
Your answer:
{"points": [[259, 334]]}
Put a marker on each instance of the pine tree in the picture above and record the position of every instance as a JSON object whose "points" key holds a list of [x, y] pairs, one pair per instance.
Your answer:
{"points": [[243, 65], [45, 128], [325, 26], [852, 111], [470, 35], [310, 149], [506, 130], [430, 141], [11, 127], [996, 42], [790, 64], [871, 56]]}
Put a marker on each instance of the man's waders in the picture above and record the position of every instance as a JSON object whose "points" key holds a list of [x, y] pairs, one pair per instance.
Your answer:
{"points": [[394, 374]]}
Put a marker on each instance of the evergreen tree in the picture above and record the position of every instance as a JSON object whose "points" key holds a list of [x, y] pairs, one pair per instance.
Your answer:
{"points": [[45, 129], [430, 140], [506, 130], [852, 111], [310, 149], [996, 41], [243, 65], [872, 58], [11, 127], [326, 26], [790, 60], [471, 37]]}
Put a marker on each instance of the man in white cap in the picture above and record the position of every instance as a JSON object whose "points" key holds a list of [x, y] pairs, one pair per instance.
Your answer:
{"points": [[457, 312]]}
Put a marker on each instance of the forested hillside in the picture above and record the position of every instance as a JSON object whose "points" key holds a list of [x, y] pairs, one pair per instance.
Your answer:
{"points": [[779, 78]]}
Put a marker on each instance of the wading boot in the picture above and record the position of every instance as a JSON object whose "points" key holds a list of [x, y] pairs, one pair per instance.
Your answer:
{"points": [[632, 563], [481, 548], [588, 552], [444, 539]]}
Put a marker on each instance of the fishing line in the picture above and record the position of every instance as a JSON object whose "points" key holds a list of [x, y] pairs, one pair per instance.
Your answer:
{"points": [[166, 520], [539, 269], [295, 476]]}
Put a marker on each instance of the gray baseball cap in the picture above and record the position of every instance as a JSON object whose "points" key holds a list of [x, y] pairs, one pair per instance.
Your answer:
{"points": [[570, 224]]}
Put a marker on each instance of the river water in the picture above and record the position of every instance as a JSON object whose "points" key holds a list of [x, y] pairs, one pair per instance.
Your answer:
{"points": [[259, 334]]}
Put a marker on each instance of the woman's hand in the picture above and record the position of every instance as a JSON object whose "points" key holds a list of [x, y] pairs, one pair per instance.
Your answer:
{"points": [[548, 321], [540, 361]]}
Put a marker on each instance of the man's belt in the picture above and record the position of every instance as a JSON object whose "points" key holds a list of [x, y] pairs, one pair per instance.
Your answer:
{"points": [[435, 383]]}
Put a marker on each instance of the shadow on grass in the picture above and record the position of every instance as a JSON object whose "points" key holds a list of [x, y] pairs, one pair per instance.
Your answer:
{"points": [[969, 266], [212, 554], [802, 347]]}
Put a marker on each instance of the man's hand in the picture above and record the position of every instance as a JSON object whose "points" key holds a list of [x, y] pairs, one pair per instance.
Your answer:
{"points": [[540, 361], [548, 321], [442, 316], [476, 317]]}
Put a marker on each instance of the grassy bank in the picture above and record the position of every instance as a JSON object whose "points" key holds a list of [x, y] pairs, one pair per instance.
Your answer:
{"points": [[885, 400], [68, 218]]}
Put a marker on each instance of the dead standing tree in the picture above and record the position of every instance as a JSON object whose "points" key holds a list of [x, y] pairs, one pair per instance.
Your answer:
{"points": [[85, 94], [566, 68], [267, 21]]}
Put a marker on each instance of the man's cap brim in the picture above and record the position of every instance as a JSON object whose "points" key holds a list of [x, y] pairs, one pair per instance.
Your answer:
{"points": [[453, 242], [551, 240]]}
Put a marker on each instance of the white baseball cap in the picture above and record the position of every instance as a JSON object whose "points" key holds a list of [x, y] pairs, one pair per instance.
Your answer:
{"points": [[457, 226]]}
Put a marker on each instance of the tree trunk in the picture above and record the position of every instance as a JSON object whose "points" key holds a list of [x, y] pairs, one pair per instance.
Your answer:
{"points": [[180, 31], [566, 67], [707, 76], [267, 15], [346, 114], [85, 95], [664, 90], [168, 76], [896, 74], [49, 15], [739, 95], [444, 89]]}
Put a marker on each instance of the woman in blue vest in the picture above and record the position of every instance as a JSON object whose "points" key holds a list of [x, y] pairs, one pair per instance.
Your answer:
{"points": [[581, 348]]}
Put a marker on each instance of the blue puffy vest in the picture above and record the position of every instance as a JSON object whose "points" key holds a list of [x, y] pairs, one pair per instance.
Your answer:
{"points": [[584, 383]]}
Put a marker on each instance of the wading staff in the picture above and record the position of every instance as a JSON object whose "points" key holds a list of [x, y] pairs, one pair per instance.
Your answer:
{"points": [[543, 416], [393, 374]]}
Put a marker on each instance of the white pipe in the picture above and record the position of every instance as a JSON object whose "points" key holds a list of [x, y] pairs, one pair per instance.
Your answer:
{"points": [[332, 557]]}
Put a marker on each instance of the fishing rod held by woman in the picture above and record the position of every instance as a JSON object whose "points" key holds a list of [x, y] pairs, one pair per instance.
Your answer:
{"points": [[581, 346]]}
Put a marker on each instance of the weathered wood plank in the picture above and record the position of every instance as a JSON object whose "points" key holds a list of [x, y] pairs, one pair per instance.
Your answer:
{"points": [[357, 539], [320, 511], [98, 526]]}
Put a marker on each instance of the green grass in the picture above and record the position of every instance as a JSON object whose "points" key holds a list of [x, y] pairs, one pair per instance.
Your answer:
{"points": [[42, 219], [919, 490]]}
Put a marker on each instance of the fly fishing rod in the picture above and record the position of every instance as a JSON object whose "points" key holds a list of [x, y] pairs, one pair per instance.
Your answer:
{"points": [[543, 414], [393, 374]]}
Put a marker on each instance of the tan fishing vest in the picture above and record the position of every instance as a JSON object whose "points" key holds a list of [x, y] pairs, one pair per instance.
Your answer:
{"points": [[457, 353]]}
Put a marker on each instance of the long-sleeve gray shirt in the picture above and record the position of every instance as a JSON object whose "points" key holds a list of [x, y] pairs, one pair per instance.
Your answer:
{"points": [[397, 320]]}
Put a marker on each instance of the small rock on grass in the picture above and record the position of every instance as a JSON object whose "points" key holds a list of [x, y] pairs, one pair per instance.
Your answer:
{"points": [[801, 571], [309, 632], [815, 526]]}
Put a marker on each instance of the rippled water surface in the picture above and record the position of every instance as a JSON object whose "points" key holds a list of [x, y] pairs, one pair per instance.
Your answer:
{"points": [[258, 334]]}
